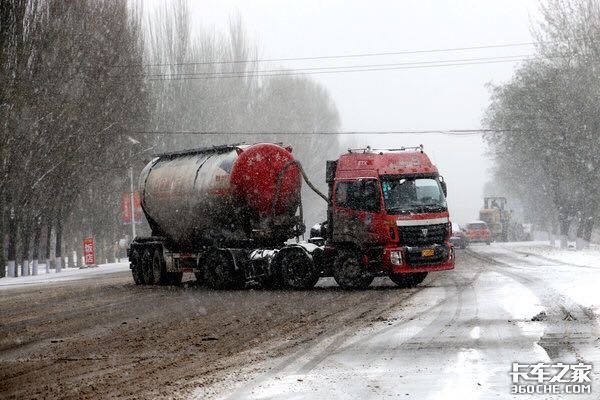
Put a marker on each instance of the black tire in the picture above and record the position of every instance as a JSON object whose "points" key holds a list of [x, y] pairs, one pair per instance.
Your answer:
{"points": [[349, 273], [221, 273], [298, 271], [200, 278], [136, 267], [174, 278], [147, 267], [488, 243], [158, 267], [408, 280]]}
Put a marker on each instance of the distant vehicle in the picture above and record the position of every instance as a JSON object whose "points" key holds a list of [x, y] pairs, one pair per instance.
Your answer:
{"points": [[459, 237], [500, 221], [478, 231]]}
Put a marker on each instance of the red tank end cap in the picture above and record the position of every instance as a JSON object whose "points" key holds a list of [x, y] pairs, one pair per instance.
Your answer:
{"points": [[254, 178]]}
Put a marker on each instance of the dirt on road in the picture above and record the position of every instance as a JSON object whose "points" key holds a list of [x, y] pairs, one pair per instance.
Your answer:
{"points": [[106, 338]]}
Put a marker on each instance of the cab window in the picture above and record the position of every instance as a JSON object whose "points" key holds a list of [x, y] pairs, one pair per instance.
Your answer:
{"points": [[362, 195]]}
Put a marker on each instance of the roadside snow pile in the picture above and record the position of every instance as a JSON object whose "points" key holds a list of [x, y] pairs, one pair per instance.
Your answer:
{"points": [[67, 274], [588, 258], [576, 272]]}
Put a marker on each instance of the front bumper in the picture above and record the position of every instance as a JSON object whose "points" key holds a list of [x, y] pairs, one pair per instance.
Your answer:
{"points": [[438, 257]]}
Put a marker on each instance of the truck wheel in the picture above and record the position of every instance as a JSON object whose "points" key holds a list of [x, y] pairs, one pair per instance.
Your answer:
{"points": [[136, 267], [221, 273], [147, 267], [158, 268], [298, 271], [349, 273], [408, 280], [174, 278]]}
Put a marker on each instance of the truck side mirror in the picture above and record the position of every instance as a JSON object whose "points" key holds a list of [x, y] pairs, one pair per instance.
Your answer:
{"points": [[444, 187]]}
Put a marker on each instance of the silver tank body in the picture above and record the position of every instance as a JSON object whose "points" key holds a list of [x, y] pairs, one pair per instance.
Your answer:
{"points": [[187, 198]]}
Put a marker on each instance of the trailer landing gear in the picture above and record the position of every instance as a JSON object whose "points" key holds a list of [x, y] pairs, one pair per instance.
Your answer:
{"points": [[221, 272]]}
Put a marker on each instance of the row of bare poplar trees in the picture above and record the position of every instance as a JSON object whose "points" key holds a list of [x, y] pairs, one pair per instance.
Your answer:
{"points": [[83, 82]]}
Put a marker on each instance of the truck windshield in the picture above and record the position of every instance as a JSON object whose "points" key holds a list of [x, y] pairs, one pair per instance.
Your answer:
{"points": [[410, 195]]}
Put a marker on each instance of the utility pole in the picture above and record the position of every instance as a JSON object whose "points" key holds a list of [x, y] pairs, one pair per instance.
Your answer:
{"points": [[133, 142]]}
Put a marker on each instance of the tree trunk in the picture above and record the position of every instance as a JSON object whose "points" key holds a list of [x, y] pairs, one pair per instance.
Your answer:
{"points": [[36, 247], [2, 239], [26, 236], [58, 245], [48, 245], [12, 246], [563, 224], [588, 227]]}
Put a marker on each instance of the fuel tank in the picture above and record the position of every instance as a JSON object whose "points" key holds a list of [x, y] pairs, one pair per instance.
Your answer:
{"points": [[222, 196]]}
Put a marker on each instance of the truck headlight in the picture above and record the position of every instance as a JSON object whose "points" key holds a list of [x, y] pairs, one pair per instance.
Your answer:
{"points": [[396, 257]]}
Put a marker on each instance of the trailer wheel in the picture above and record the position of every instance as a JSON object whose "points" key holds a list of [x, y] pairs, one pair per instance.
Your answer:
{"points": [[298, 271], [159, 271], [408, 280], [136, 267], [174, 278], [221, 273], [146, 265], [349, 273], [200, 277]]}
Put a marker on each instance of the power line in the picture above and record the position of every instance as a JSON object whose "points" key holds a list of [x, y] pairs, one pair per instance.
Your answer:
{"points": [[334, 68], [453, 132], [293, 73], [336, 56]]}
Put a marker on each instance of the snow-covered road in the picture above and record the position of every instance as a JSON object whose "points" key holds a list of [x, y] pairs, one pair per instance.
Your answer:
{"points": [[457, 335], [89, 334]]}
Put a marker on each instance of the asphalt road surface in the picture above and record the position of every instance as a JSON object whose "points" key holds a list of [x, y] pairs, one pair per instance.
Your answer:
{"points": [[456, 335]]}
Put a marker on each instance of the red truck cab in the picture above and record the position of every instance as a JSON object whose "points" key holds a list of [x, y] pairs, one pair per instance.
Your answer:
{"points": [[387, 215]]}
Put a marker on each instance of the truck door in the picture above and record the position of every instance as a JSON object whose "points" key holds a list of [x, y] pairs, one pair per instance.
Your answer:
{"points": [[355, 203]]}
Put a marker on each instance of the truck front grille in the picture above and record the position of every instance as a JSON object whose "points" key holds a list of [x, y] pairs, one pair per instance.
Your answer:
{"points": [[423, 234]]}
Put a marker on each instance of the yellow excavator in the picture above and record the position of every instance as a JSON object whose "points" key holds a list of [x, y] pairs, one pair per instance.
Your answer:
{"points": [[496, 216]]}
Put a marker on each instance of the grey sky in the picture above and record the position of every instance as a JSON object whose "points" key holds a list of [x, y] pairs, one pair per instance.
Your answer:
{"points": [[417, 99]]}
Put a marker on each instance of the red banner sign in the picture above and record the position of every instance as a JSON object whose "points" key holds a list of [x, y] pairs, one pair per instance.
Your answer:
{"points": [[89, 252], [126, 208]]}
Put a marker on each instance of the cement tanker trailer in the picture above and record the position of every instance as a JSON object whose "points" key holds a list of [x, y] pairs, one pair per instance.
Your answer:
{"points": [[223, 213]]}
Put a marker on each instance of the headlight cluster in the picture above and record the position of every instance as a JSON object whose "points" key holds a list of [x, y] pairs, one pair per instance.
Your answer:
{"points": [[396, 257]]}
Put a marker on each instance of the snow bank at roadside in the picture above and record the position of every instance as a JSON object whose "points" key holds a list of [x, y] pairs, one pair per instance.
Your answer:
{"points": [[589, 257], [576, 272], [67, 274]]}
